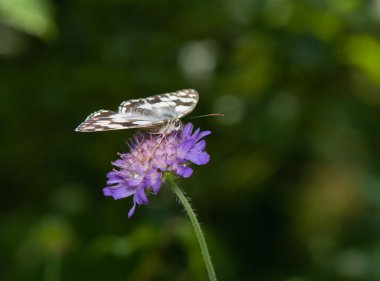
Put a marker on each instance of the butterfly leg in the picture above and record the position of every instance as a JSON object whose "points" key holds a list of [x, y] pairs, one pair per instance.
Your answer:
{"points": [[158, 145], [164, 134]]}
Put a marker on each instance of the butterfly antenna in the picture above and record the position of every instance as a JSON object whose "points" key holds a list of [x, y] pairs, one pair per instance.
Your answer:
{"points": [[207, 115]]}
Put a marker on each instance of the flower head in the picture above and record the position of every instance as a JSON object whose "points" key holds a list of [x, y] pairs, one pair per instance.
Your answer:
{"points": [[141, 170]]}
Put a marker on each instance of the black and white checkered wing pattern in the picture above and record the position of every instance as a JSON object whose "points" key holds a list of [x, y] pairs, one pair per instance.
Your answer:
{"points": [[177, 103], [148, 112], [104, 120]]}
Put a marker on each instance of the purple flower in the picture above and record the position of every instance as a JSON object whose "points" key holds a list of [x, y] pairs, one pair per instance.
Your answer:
{"points": [[141, 170]]}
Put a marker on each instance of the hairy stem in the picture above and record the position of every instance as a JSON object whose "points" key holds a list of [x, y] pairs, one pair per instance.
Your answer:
{"points": [[197, 228]]}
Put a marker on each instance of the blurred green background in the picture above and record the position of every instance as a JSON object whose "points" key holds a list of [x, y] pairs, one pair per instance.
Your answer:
{"points": [[292, 192]]}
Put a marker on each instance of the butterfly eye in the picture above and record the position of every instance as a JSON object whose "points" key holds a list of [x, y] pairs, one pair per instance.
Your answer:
{"points": [[177, 124]]}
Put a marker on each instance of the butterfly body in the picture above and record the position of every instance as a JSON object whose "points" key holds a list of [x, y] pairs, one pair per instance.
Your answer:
{"points": [[157, 114]]}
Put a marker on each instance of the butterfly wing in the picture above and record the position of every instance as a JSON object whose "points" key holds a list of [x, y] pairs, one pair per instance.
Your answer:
{"points": [[165, 106], [154, 111], [106, 120]]}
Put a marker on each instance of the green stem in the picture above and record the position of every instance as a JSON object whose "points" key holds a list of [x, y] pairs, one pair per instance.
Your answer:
{"points": [[196, 226]]}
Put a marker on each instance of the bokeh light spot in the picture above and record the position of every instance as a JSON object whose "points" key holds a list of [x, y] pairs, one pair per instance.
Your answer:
{"points": [[232, 107], [198, 59]]}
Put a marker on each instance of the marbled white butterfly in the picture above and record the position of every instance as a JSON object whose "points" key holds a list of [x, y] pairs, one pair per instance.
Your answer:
{"points": [[157, 114]]}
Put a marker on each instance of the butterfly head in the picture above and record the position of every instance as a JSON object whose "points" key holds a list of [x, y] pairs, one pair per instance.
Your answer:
{"points": [[177, 125], [172, 125]]}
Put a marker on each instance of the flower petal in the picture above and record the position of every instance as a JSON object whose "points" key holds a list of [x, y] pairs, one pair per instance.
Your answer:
{"points": [[118, 193], [118, 163], [134, 181], [196, 133], [184, 172], [199, 146], [184, 148], [114, 177], [156, 181], [186, 131], [140, 196], [199, 158], [202, 134], [132, 211]]}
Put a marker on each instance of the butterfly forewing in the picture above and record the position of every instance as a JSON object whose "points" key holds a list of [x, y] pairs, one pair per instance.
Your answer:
{"points": [[181, 102], [154, 111]]}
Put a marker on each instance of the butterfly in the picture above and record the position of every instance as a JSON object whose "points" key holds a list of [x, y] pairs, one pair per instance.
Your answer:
{"points": [[157, 114]]}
